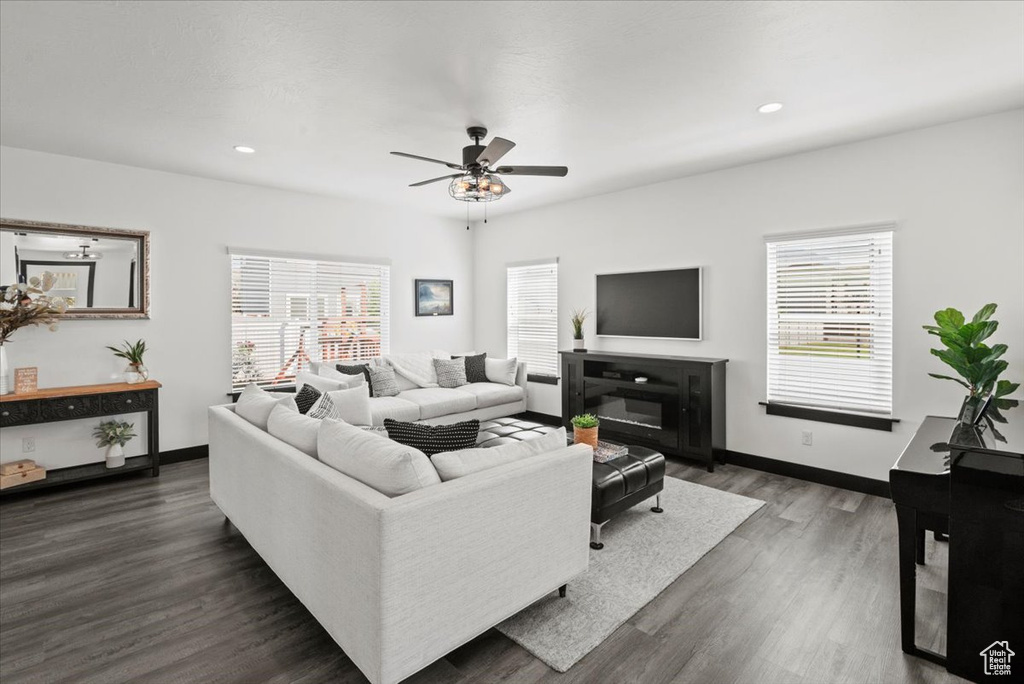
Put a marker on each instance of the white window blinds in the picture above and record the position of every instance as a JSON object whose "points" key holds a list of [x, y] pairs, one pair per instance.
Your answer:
{"points": [[533, 316], [287, 311], [830, 320]]}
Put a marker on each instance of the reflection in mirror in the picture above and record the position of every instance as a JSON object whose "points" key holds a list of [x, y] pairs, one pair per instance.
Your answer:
{"points": [[100, 272]]}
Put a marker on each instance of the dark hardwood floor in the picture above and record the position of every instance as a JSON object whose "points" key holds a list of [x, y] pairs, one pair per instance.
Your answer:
{"points": [[140, 579]]}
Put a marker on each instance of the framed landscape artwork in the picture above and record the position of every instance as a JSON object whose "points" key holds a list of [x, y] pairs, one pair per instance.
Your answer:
{"points": [[433, 297]]}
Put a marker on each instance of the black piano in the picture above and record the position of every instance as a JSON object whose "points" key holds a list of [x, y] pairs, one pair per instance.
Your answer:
{"points": [[967, 482]]}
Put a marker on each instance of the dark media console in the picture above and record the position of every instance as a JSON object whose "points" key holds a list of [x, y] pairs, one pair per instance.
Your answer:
{"points": [[680, 410]]}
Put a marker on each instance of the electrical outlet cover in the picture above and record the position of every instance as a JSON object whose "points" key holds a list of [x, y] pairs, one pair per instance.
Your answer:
{"points": [[806, 438]]}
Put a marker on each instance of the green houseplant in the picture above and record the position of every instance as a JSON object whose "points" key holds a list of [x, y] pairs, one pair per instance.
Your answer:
{"points": [[579, 316], [136, 371], [114, 434], [978, 365], [584, 429]]}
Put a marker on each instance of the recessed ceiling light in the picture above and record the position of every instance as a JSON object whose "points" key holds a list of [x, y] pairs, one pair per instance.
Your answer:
{"points": [[767, 108], [245, 149]]}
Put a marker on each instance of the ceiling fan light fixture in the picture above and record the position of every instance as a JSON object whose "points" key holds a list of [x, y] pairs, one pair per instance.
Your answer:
{"points": [[483, 188], [84, 255]]}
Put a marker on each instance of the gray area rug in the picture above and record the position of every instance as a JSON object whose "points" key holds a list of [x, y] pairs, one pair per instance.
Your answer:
{"points": [[643, 553]]}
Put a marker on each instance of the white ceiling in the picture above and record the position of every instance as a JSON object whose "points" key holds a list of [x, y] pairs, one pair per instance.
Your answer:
{"points": [[623, 93]]}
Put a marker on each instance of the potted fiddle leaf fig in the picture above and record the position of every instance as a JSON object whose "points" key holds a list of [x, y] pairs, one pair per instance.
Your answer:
{"points": [[584, 429], [579, 316], [978, 365]]}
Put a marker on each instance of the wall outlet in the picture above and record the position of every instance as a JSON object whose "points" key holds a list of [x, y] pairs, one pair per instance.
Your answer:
{"points": [[28, 445], [806, 438]]}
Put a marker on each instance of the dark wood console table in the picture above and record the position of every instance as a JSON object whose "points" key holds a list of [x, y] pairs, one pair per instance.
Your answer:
{"points": [[680, 410], [87, 401]]}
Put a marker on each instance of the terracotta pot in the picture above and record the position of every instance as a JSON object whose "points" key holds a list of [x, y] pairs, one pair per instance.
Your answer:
{"points": [[585, 436]]}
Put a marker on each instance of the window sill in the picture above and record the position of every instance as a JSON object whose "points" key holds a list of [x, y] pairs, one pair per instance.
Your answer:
{"points": [[542, 379], [827, 416]]}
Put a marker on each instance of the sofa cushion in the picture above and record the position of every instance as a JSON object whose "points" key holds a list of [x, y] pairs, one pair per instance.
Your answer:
{"points": [[382, 380], [255, 404], [391, 468], [475, 367], [393, 407], [324, 384], [362, 369], [350, 405], [294, 428], [433, 439], [439, 401], [331, 373], [502, 371], [306, 397], [454, 464], [416, 366], [451, 373], [492, 394]]}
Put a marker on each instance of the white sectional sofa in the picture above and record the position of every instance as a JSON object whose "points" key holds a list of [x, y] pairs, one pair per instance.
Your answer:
{"points": [[399, 582], [438, 405]]}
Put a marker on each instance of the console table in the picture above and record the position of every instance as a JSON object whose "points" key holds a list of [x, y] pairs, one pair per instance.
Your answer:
{"points": [[86, 401], [679, 410]]}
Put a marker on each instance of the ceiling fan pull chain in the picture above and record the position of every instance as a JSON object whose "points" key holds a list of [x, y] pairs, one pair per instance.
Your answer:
{"points": [[485, 213], [467, 215]]}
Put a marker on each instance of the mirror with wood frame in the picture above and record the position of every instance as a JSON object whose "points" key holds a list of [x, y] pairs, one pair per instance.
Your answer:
{"points": [[100, 272]]}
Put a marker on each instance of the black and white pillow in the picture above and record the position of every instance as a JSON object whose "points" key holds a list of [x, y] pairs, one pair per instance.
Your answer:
{"points": [[475, 368], [356, 369], [450, 372], [433, 439], [306, 397], [383, 382], [324, 408]]}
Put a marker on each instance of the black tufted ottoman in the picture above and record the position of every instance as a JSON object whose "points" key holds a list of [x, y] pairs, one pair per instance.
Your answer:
{"points": [[619, 484]]}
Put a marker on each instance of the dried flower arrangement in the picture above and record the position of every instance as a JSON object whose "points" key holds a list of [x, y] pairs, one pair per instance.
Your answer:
{"points": [[22, 305]]}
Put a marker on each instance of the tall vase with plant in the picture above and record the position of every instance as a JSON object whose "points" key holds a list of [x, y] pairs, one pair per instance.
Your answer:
{"points": [[22, 305], [579, 317], [114, 434], [978, 365], [135, 372]]}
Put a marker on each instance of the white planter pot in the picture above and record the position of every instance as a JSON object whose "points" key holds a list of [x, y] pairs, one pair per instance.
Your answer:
{"points": [[578, 344], [115, 456], [6, 384]]}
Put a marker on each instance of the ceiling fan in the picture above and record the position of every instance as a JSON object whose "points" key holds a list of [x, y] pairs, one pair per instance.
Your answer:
{"points": [[479, 178]]}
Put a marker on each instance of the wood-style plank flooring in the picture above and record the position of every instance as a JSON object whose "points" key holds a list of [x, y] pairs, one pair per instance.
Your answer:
{"points": [[140, 579]]}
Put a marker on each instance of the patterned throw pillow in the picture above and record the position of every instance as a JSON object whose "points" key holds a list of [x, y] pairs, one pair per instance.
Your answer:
{"points": [[356, 369], [433, 439], [451, 372], [383, 382], [306, 397], [324, 408], [475, 368]]}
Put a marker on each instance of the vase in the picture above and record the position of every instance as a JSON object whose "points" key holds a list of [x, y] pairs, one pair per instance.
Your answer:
{"points": [[577, 345], [970, 410], [115, 456], [135, 373], [585, 436], [6, 385]]}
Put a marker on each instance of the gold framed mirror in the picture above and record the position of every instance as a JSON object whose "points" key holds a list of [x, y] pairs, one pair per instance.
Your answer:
{"points": [[100, 272]]}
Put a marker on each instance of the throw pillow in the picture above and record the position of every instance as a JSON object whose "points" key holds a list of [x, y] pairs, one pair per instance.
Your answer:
{"points": [[433, 439], [454, 464], [502, 371], [382, 381], [294, 428], [350, 405], [475, 368], [391, 468], [327, 371], [255, 404], [451, 373], [356, 369], [303, 378], [306, 397]]}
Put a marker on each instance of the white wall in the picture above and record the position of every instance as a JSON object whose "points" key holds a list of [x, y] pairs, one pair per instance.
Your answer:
{"points": [[192, 221], [956, 192]]}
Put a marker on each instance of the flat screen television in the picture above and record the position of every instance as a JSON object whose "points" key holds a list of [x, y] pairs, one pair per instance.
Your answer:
{"points": [[650, 304]]}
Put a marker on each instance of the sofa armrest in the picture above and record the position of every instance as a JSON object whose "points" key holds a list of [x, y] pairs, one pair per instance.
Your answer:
{"points": [[460, 557], [521, 379]]}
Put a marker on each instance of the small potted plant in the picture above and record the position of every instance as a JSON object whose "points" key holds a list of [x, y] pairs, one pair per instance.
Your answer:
{"points": [[579, 316], [584, 429], [978, 364], [135, 372], [114, 434]]}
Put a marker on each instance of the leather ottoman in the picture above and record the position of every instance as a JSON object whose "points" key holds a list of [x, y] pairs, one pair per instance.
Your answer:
{"points": [[623, 482]]}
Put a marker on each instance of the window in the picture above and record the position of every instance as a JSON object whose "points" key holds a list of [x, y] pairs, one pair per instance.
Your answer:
{"points": [[830, 322], [533, 316], [288, 310]]}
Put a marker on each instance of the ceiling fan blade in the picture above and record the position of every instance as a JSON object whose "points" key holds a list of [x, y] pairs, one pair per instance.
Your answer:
{"points": [[494, 151], [428, 159], [532, 170], [434, 180]]}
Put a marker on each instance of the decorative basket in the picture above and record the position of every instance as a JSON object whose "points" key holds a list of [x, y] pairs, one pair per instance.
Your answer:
{"points": [[585, 436]]}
